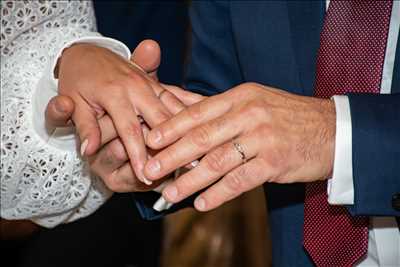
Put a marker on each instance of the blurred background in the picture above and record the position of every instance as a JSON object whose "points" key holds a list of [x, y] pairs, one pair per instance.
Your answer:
{"points": [[234, 235]]}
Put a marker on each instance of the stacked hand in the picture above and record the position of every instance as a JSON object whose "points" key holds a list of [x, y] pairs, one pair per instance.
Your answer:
{"points": [[105, 85], [100, 82], [245, 137]]}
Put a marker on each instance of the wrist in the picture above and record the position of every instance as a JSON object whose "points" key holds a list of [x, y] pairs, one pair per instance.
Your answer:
{"points": [[329, 115], [56, 70], [94, 41], [75, 51]]}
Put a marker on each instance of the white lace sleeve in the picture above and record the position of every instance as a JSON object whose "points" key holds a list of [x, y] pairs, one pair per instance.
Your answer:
{"points": [[40, 182]]}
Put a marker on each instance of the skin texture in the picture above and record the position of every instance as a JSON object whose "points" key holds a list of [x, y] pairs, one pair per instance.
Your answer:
{"points": [[110, 161], [101, 82], [286, 138]]}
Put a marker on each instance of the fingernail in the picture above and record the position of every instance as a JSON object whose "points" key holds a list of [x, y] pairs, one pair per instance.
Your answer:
{"points": [[141, 176], [160, 204], [156, 136], [171, 192], [154, 166], [147, 181], [200, 204], [84, 146]]}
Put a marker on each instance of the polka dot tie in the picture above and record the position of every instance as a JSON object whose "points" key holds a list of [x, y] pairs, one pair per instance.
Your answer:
{"points": [[350, 60]]}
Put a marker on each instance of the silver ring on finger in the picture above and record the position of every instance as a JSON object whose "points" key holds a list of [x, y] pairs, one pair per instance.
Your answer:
{"points": [[239, 148], [140, 119]]}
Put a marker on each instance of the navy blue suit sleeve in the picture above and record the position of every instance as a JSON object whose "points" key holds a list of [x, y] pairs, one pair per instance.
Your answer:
{"points": [[213, 64], [213, 68], [376, 153]]}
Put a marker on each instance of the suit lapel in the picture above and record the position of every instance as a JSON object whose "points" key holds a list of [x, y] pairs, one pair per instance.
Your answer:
{"points": [[305, 20]]}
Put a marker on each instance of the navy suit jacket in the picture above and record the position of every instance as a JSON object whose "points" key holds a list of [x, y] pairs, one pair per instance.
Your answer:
{"points": [[275, 43], [163, 21]]}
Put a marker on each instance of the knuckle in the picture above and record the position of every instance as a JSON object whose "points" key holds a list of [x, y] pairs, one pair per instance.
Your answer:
{"points": [[185, 186], [243, 172], [169, 156], [273, 164], [219, 124], [200, 137], [247, 90], [117, 151], [194, 112], [112, 183], [106, 159], [256, 109], [132, 129], [135, 78], [85, 126], [113, 87], [161, 114], [216, 161], [243, 89], [248, 85], [233, 182]]}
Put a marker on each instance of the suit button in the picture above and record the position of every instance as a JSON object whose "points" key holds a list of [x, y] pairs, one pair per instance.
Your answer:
{"points": [[396, 202]]}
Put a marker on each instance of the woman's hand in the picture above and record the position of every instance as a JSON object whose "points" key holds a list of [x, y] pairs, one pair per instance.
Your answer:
{"points": [[101, 82], [110, 162], [247, 136]]}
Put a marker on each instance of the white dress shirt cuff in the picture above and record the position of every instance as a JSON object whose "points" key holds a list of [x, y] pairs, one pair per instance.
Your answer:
{"points": [[340, 186], [64, 138]]}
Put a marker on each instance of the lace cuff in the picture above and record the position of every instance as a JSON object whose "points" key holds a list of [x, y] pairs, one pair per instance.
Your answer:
{"points": [[64, 138], [39, 181]]}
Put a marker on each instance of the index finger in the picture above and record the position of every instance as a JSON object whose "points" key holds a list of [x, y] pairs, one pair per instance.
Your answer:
{"points": [[130, 131]]}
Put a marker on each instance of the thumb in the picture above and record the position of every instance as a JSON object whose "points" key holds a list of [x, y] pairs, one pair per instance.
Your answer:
{"points": [[59, 111], [147, 55]]}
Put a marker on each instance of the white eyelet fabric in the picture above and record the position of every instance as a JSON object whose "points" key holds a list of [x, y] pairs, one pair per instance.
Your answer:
{"points": [[40, 182]]}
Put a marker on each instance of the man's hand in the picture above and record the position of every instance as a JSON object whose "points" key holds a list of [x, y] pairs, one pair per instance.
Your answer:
{"points": [[247, 136]]}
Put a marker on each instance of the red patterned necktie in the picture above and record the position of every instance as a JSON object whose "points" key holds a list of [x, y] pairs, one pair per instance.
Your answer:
{"points": [[350, 59]]}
